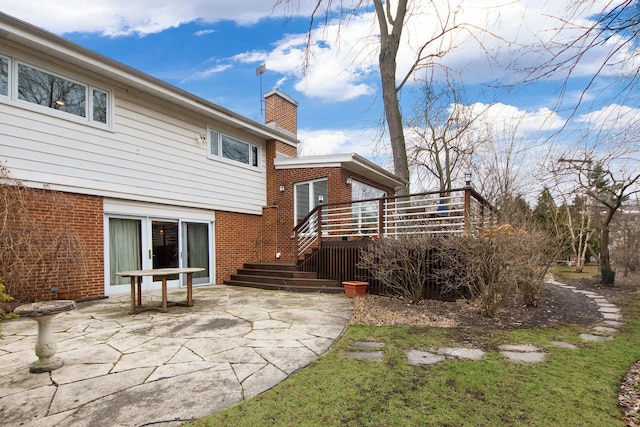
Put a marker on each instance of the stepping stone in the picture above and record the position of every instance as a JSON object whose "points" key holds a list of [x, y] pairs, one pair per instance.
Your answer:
{"points": [[601, 301], [594, 338], [562, 344], [522, 348], [529, 357], [367, 345], [605, 304], [613, 323], [593, 296], [580, 291], [609, 310], [462, 353], [417, 357], [606, 330], [611, 316], [370, 355]]}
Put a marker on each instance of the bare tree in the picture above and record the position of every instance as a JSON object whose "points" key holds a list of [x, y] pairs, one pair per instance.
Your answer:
{"points": [[391, 18], [37, 251], [608, 181], [625, 241], [440, 138]]}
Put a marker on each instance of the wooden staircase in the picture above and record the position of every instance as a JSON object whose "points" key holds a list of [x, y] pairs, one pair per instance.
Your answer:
{"points": [[282, 277]]}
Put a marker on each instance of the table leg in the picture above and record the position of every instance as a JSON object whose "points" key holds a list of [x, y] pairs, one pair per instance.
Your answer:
{"points": [[133, 295], [190, 289], [164, 293], [139, 291]]}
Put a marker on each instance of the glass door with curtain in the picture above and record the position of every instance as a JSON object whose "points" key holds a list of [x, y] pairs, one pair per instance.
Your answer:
{"points": [[165, 249], [196, 250], [125, 251]]}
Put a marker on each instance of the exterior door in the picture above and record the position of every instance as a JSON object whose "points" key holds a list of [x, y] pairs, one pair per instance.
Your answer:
{"points": [[125, 251], [164, 249], [196, 250]]}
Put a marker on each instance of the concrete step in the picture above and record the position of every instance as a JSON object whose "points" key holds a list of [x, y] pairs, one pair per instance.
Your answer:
{"points": [[277, 273], [280, 266], [286, 287], [285, 281]]}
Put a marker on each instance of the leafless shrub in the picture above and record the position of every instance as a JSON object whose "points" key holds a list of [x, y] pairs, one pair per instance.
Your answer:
{"points": [[502, 262], [37, 252], [404, 265]]}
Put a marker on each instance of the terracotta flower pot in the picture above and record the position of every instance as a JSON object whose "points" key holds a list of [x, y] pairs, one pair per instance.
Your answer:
{"points": [[352, 289]]}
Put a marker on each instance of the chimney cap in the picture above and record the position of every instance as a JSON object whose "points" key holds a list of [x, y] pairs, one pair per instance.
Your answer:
{"points": [[277, 91]]}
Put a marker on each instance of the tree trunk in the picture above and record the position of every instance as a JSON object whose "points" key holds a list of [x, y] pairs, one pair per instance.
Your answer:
{"points": [[389, 43], [604, 248]]}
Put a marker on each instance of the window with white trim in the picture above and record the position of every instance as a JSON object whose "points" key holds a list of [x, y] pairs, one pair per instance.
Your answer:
{"points": [[366, 214], [4, 76], [25, 83], [227, 147]]}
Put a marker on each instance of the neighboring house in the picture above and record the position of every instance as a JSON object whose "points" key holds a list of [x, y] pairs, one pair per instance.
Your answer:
{"points": [[158, 176]]}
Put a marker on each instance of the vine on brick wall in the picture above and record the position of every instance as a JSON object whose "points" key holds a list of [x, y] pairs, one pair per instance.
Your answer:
{"points": [[39, 257]]}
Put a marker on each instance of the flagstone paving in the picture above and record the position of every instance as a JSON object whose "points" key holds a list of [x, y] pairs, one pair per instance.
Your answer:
{"points": [[164, 368]]}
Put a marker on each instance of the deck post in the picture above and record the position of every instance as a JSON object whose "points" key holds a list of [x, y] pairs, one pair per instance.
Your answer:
{"points": [[381, 216], [467, 211]]}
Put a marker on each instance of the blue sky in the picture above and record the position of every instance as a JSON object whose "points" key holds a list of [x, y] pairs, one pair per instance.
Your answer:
{"points": [[212, 48]]}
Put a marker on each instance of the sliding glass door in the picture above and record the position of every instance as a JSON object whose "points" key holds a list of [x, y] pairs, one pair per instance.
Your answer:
{"points": [[125, 248], [196, 249], [144, 243]]}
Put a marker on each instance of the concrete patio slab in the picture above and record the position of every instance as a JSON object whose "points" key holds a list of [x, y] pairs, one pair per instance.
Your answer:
{"points": [[165, 368]]}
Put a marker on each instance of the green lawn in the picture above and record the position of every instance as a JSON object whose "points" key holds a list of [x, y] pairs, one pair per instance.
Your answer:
{"points": [[571, 388]]}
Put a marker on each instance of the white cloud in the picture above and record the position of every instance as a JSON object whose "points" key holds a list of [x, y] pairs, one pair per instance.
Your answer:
{"points": [[493, 39], [612, 116], [126, 17], [206, 73], [204, 32]]}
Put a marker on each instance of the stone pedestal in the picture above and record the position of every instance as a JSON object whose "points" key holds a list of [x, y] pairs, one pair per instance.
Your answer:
{"points": [[43, 312]]}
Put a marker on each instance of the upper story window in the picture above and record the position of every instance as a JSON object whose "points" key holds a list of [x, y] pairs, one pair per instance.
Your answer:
{"points": [[4, 76], [224, 146], [26, 83]]}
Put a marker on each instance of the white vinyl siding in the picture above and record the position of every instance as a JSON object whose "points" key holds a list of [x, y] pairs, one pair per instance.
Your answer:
{"points": [[154, 155]]}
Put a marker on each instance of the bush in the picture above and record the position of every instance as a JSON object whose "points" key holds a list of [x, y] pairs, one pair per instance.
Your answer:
{"points": [[502, 262], [403, 265], [608, 276]]}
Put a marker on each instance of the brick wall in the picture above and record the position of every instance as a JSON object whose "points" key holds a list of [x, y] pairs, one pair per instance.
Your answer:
{"points": [[238, 240], [69, 217], [282, 110], [338, 191]]}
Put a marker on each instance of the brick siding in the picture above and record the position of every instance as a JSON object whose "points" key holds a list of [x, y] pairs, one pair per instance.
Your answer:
{"points": [[238, 240], [66, 212]]}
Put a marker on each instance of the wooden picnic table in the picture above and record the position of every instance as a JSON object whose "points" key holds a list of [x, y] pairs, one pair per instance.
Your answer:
{"points": [[136, 279]]}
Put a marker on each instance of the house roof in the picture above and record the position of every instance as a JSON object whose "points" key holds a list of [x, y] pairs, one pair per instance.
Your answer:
{"points": [[26, 34], [351, 161]]}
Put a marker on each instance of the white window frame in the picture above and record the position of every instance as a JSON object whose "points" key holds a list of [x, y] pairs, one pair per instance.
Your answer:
{"points": [[9, 76], [215, 140], [89, 89]]}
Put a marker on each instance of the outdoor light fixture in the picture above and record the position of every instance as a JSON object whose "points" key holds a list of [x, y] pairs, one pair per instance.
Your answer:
{"points": [[349, 181], [467, 179], [282, 188], [202, 138]]}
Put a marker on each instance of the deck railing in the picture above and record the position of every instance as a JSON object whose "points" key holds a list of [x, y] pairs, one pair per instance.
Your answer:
{"points": [[460, 211]]}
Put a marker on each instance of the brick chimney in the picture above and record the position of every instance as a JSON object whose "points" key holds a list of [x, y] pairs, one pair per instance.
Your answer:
{"points": [[281, 111]]}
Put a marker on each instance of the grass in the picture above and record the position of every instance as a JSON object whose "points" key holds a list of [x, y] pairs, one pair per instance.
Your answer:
{"points": [[569, 272], [571, 388]]}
